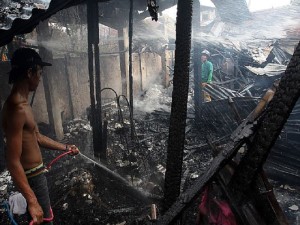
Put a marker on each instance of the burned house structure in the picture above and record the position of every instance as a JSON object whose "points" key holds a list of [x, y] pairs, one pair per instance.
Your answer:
{"points": [[125, 86]]}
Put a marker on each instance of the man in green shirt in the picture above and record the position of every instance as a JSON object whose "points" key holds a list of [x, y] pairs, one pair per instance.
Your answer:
{"points": [[206, 72]]}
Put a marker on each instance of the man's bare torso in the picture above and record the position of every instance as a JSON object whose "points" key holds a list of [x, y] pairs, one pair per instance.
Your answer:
{"points": [[31, 154]]}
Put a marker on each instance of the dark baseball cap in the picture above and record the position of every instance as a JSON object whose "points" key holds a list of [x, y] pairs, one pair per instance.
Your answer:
{"points": [[26, 57]]}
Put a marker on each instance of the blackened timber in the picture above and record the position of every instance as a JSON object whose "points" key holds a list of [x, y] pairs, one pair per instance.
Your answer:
{"points": [[198, 97], [222, 179], [2, 156], [266, 210], [179, 103], [93, 49], [239, 137], [191, 193], [130, 33], [266, 203], [276, 115]]}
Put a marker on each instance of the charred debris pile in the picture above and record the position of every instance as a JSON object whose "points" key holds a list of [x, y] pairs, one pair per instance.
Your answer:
{"points": [[81, 192], [138, 153], [242, 74]]}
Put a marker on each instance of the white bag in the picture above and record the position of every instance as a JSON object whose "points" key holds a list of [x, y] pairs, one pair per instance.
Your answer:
{"points": [[18, 204]]}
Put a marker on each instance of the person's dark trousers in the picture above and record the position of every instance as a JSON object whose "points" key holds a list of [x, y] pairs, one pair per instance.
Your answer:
{"points": [[40, 188]]}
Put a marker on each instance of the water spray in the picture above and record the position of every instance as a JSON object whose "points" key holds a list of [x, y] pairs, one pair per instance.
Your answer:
{"points": [[99, 164]]}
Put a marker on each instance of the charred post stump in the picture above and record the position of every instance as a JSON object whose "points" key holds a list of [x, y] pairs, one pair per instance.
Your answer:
{"points": [[179, 103]]}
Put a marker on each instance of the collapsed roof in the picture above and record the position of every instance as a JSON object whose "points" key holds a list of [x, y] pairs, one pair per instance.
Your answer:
{"points": [[21, 17]]}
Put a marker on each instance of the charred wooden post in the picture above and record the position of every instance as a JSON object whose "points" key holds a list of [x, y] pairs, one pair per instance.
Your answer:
{"points": [[266, 201], [179, 103], [238, 138], [275, 117], [198, 97], [222, 179], [94, 71], [183, 201], [130, 33], [262, 197], [2, 156]]}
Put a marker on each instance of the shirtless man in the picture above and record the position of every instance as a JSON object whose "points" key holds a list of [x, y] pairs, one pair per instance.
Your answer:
{"points": [[23, 140]]}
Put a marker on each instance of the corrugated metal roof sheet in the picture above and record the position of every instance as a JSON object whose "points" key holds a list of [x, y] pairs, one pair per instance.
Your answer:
{"points": [[20, 18], [270, 69], [11, 10]]}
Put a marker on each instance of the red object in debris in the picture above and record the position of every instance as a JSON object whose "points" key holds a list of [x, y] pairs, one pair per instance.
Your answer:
{"points": [[214, 211]]}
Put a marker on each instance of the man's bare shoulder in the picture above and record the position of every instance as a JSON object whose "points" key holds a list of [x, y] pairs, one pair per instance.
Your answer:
{"points": [[13, 107], [15, 102]]}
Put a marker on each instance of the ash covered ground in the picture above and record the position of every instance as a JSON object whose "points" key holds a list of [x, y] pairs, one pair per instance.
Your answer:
{"points": [[83, 193]]}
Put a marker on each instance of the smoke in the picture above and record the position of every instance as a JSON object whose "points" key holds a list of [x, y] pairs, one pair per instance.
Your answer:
{"points": [[267, 24], [155, 98]]}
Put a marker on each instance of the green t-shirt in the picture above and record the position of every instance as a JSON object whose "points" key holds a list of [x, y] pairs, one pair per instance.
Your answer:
{"points": [[206, 72]]}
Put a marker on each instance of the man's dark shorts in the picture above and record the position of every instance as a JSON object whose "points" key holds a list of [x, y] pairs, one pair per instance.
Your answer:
{"points": [[40, 188]]}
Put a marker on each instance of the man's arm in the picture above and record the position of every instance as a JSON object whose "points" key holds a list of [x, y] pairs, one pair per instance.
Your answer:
{"points": [[48, 143], [13, 132]]}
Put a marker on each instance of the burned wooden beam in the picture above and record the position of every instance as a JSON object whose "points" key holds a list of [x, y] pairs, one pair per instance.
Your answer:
{"points": [[188, 196], [198, 97], [179, 103], [2, 144], [240, 182], [276, 115], [94, 71]]}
